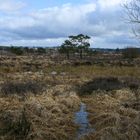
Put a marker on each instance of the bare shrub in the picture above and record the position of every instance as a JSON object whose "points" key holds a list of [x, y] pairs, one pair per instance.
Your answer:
{"points": [[131, 53], [10, 88], [101, 83]]}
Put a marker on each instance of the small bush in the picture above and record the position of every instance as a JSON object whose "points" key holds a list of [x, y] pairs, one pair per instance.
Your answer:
{"points": [[21, 88], [107, 83], [17, 50], [86, 63], [131, 53]]}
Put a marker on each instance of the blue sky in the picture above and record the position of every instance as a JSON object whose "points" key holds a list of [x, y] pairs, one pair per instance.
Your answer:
{"points": [[49, 22]]}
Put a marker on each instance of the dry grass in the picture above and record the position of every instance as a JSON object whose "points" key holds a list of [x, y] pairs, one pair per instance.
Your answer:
{"points": [[11, 64], [113, 116], [49, 115], [39, 117]]}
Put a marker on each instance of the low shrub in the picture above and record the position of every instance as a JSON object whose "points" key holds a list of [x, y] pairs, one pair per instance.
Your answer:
{"points": [[131, 53], [101, 83], [10, 88]]}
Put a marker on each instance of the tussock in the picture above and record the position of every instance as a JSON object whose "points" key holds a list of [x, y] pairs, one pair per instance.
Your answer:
{"points": [[128, 112], [39, 117], [114, 116]]}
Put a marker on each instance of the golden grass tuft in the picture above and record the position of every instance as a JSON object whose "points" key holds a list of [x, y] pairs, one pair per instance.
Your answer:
{"points": [[113, 116], [39, 117]]}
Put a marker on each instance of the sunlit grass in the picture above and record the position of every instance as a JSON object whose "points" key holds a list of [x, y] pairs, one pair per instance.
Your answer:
{"points": [[97, 70]]}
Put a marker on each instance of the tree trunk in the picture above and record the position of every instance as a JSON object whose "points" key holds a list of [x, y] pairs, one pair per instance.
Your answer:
{"points": [[81, 54]]}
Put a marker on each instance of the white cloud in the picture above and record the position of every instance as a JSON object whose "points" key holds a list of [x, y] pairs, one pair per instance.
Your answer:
{"points": [[50, 22], [50, 26], [66, 15], [33, 42], [10, 5], [111, 4]]}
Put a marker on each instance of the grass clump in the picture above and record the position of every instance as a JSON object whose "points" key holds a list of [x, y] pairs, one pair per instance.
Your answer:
{"points": [[40, 117], [135, 89], [14, 125]]}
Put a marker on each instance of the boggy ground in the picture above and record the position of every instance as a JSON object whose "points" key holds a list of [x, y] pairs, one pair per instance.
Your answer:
{"points": [[114, 115], [38, 100], [48, 115]]}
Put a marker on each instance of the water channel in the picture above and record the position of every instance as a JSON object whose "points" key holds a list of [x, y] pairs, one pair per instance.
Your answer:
{"points": [[81, 118]]}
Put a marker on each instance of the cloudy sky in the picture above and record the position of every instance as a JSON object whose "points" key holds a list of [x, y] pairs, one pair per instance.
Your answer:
{"points": [[49, 22]]}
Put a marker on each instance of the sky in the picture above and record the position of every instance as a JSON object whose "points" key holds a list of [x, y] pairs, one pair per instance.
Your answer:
{"points": [[50, 22]]}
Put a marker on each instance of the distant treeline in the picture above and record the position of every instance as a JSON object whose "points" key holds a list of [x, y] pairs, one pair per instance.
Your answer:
{"points": [[129, 52], [19, 50]]}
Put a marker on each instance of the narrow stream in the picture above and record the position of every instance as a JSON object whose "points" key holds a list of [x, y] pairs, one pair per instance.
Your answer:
{"points": [[81, 118]]}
